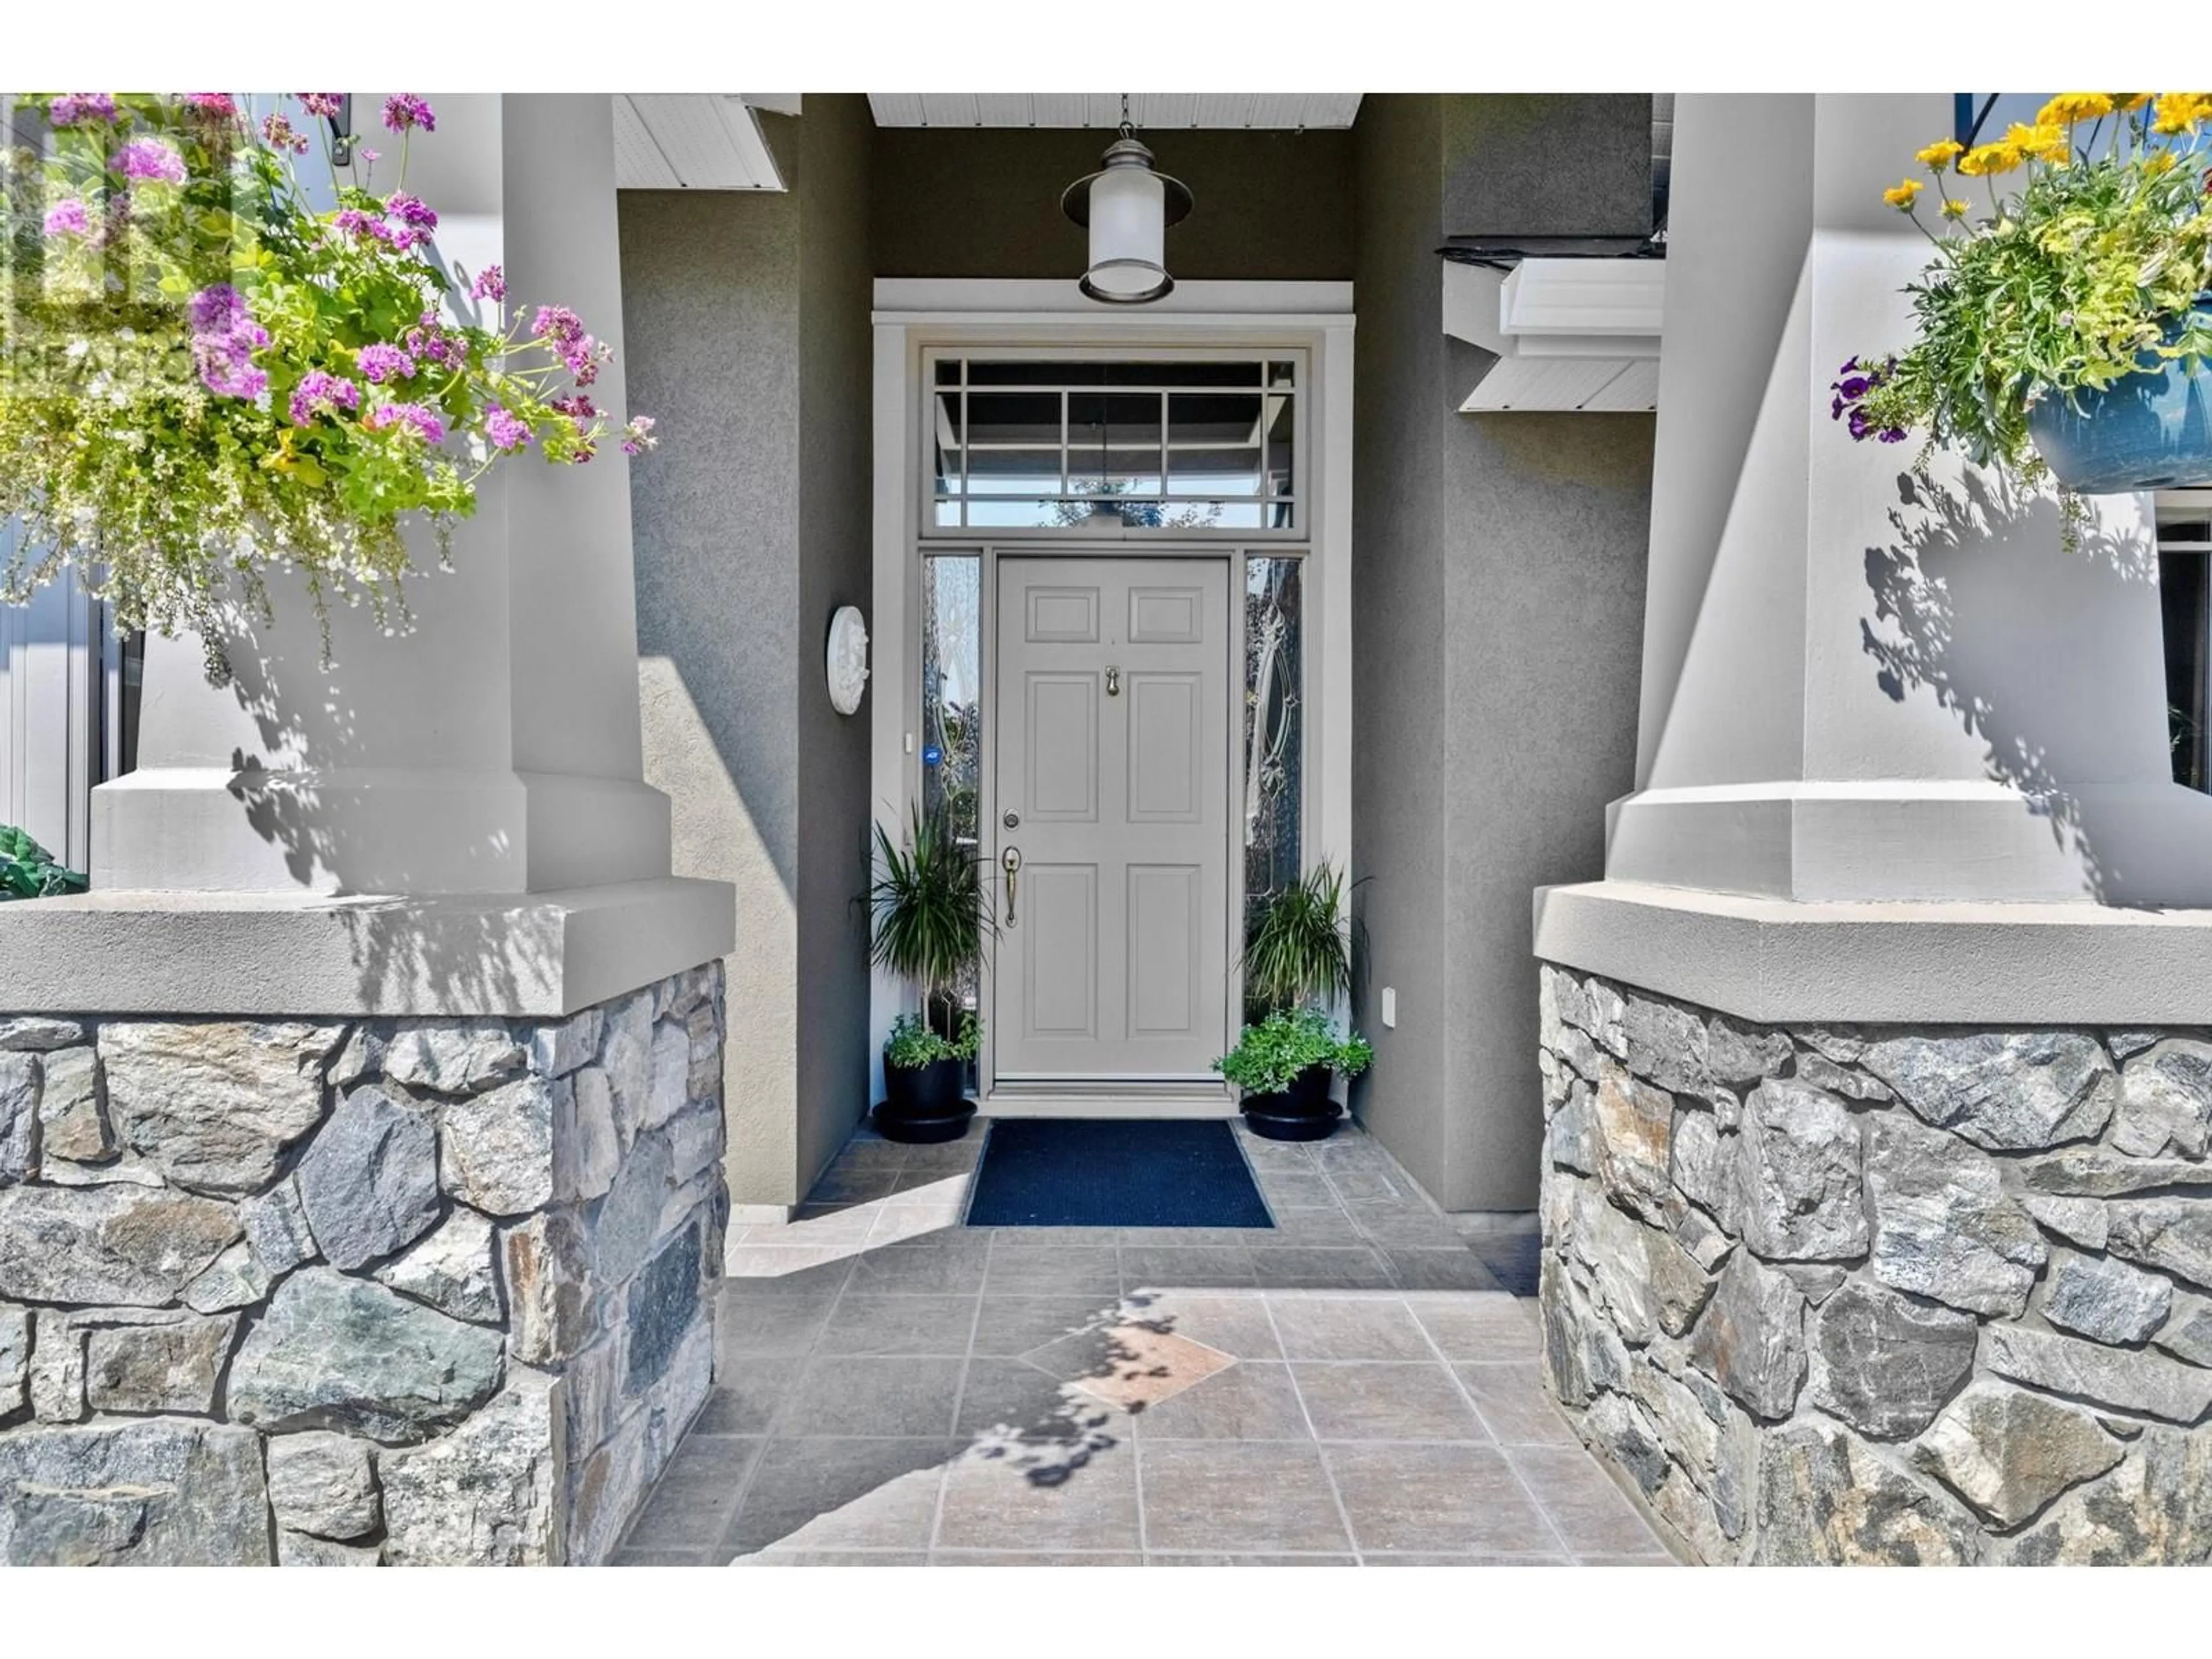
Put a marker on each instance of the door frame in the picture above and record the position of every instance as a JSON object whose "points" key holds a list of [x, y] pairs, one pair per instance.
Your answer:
{"points": [[914, 315]]}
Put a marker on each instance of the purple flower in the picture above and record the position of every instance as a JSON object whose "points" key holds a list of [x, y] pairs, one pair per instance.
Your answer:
{"points": [[637, 436], [579, 409], [322, 104], [320, 393], [410, 210], [216, 106], [381, 363], [1891, 434], [490, 284], [150, 159], [216, 310], [418, 418], [507, 431], [280, 134], [76, 109], [1859, 425], [66, 218], [558, 322], [1853, 390], [224, 336], [406, 110], [434, 344]]}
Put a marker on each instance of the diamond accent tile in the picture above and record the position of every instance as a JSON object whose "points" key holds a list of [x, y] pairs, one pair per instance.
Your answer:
{"points": [[1129, 1365]]}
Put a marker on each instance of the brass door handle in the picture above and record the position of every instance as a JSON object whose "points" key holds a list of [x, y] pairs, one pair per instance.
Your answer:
{"points": [[1010, 862]]}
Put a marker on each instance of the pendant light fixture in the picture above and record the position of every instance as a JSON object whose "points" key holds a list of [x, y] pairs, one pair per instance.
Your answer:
{"points": [[1126, 206]]}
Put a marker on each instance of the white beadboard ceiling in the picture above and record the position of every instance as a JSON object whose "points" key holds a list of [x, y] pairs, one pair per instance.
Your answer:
{"points": [[1103, 109], [694, 141]]}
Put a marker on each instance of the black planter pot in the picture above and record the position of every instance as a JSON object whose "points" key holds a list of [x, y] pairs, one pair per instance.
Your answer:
{"points": [[1302, 1112], [923, 1104]]}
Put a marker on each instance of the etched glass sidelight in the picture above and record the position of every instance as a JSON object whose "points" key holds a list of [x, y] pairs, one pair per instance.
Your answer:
{"points": [[1274, 728]]}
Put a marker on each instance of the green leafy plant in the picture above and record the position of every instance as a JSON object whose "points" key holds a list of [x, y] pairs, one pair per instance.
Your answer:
{"points": [[930, 914], [1300, 948], [1269, 1056], [28, 870], [912, 1044], [203, 375], [2088, 270]]}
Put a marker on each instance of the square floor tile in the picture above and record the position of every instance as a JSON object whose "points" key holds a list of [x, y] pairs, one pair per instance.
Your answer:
{"points": [[869, 1323], [1205, 1559], [692, 1503], [1036, 1558], [1058, 1496], [1129, 1365], [667, 1558], [779, 1557], [1347, 1327], [1406, 1226], [1252, 1400], [847, 1395], [949, 1264], [1011, 1325], [1510, 1395], [1591, 1513], [1296, 1187], [1488, 1327], [1364, 1401], [1009, 1400], [1327, 1268], [1235, 1322], [840, 1494], [1053, 1270], [783, 1323], [1439, 1498], [856, 1185], [1238, 1496], [748, 1391], [1451, 1268], [1175, 1266], [1306, 1229]]}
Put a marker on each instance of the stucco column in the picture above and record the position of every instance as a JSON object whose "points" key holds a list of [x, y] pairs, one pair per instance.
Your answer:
{"points": [[494, 747], [1860, 685]]}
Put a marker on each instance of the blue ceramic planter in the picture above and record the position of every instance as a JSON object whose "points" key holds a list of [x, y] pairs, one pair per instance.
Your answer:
{"points": [[2150, 431]]}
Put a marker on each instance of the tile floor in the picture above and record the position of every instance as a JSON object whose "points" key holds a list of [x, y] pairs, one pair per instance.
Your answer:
{"points": [[1357, 1385]]}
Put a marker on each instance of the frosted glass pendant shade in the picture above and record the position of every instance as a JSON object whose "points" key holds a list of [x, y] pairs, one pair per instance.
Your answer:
{"points": [[1127, 208]]}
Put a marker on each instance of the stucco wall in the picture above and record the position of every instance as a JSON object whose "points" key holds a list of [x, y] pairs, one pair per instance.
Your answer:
{"points": [[1498, 591], [748, 323], [985, 202]]}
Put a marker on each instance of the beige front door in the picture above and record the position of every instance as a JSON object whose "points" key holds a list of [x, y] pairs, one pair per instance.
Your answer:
{"points": [[1111, 789]]}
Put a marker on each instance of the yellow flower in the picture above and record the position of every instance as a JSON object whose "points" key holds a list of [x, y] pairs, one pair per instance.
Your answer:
{"points": [[1936, 154], [2160, 161], [2124, 101], [2179, 111], [1954, 209], [2070, 108], [2045, 143], [1901, 197], [1985, 159]]}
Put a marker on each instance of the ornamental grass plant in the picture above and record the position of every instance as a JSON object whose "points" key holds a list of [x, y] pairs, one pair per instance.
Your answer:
{"points": [[205, 375], [2069, 254]]}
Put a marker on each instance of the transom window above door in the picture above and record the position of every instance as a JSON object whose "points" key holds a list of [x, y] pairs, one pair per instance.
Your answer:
{"points": [[1181, 445]]}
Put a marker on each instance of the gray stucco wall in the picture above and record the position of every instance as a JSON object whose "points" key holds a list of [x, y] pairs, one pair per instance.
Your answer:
{"points": [[985, 202], [1498, 593], [747, 319]]}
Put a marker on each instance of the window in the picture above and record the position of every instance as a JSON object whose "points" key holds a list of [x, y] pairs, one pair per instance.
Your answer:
{"points": [[1177, 444], [2184, 593], [1275, 730]]}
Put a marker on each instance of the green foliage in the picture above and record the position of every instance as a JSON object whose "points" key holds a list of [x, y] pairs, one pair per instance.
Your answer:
{"points": [[28, 870], [1300, 950], [930, 911], [2089, 270], [1270, 1055], [912, 1044], [202, 376]]}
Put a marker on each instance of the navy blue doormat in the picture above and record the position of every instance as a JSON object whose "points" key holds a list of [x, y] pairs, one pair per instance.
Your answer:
{"points": [[1114, 1172]]}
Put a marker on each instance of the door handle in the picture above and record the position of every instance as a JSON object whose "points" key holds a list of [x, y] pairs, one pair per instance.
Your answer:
{"points": [[1010, 862]]}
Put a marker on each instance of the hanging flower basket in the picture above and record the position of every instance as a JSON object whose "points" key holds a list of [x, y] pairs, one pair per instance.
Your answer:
{"points": [[205, 376], [2062, 333], [2148, 430]]}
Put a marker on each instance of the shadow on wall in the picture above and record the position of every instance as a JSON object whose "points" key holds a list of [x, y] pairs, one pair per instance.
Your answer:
{"points": [[1978, 581]]}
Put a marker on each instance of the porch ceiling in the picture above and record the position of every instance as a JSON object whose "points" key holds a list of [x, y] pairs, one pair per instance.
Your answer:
{"points": [[1103, 109], [693, 141]]}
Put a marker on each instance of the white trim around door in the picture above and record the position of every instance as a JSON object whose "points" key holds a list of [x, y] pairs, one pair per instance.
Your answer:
{"points": [[918, 324]]}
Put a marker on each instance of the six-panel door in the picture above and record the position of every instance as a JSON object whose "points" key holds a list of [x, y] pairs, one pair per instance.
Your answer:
{"points": [[1112, 703]]}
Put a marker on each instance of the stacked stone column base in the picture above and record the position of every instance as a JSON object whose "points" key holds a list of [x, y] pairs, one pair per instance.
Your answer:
{"points": [[399, 1292], [1831, 1295]]}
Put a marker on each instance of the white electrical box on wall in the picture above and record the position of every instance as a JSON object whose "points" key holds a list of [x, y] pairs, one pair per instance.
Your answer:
{"points": [[1390, 1006]]}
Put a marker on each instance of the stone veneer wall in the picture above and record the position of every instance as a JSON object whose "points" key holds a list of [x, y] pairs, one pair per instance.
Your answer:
{"points": [[395, 1290], [1883, 1294]]}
